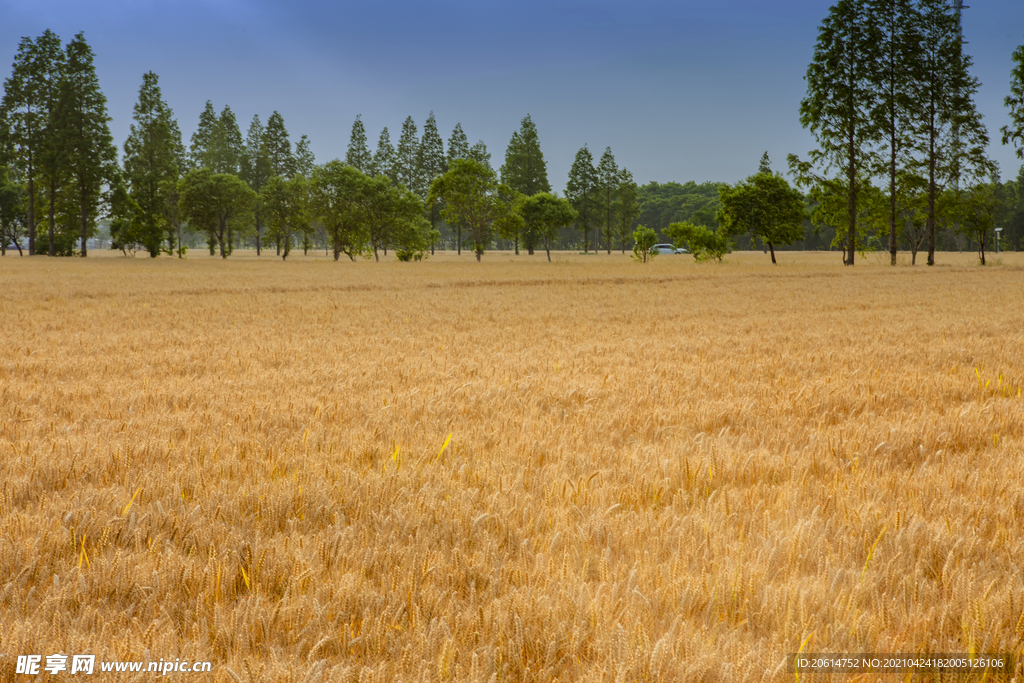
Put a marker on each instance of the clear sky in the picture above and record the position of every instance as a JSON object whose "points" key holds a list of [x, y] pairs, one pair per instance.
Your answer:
{"points": [[681, 90]]}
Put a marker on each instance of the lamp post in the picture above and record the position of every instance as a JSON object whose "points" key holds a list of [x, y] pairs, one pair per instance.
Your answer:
{"points": [[998, 230]]}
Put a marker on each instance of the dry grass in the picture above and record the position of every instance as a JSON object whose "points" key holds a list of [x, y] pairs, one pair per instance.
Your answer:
{"points": [[662, 473]]}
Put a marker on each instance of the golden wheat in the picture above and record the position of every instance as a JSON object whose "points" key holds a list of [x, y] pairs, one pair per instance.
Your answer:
{"points": [[590, 470]]}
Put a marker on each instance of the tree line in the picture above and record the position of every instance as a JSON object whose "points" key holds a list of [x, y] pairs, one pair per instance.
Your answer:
{"points": [[890, 101]]}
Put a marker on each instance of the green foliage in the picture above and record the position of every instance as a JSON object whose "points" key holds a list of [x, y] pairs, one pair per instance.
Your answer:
{"points": [[13, 204], [406, 156], [469, 191], [664, 203], [384, 157], [152, 154], [763, 206], [582, 192], [644, 240], [705, 244], [976, 210], [478, 152], [626, 207], [525, 170], [278, 147], [87, 155], [335, 191], [545, 214], [607, 189], [285, 203], [1014, 131], [458, 144], [358, 154], [305, 160], [212, 202], [393, 216]]}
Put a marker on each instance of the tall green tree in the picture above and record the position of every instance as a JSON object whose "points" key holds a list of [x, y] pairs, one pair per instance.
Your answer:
{"points": [[384, 157], [432, 164], [390, 213], [13, 219], [1014, 131], [204, 138], [279, 147], [87, 148], [524, 169], [469, 191], [607, 187], [549, 214], [894, 27], [256, 171], [458, 144], [30, 96], [285, 203], [627, 207], [582, 192], [478, 152], [950, 134], [763, 206], [839, 103], [211, 201], [406, 156], [153, 154], [335, 199], [305, 161], [358, 154]]}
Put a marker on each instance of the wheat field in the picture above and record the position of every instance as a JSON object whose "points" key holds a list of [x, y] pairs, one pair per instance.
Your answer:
{"points": [[588, 470]]}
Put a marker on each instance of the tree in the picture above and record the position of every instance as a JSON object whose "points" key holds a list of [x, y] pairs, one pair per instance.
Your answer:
{"points": [[581, 191], [975, 211], [406, 156], [384, 157], [335, 199], [432, 164], [211, 201], [203, 139], [153, 153], [894, 27], [13, 219], [626, 206], [704, 243], [644, 240], [763, 206], [391, 214], [458, 144], [1014, 132], [478, 152], [607, 186], [358, 155], [838, 105], [278, 147], [255, 171], [87, 147], [305, 161], [171, 207], [469, 191], [950, 134], [524, 169], [285, 203], [547, 214], [30, 96]]}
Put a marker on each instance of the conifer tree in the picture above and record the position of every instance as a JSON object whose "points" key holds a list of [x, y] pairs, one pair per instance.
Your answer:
{"points": [[87, 148], [458, 144], [432, 164], [627, 207], [279, 147], [1014, 132], [478, 152], [305, 161], [406, 156], [384, 157], [358, 155], [153, 153], [608, 185], [524, 169], [255, 171], [581, 191], [204, 137], [30, 95]]}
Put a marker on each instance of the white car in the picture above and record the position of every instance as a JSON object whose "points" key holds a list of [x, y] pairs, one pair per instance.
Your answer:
{"points": [[668, 249]]}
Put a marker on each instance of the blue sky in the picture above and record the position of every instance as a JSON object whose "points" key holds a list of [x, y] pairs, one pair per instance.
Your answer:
{"points": [[679, 90]]}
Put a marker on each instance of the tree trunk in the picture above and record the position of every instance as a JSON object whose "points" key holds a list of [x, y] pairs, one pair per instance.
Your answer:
{"points": [[547, 248], [586, 239], [892, 189], [931, 185], [851, 200], [458, 243], [517, 246], [771, 248]]}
